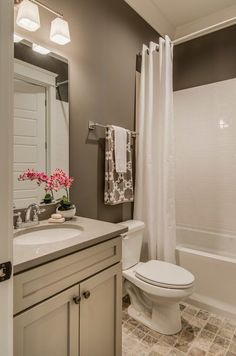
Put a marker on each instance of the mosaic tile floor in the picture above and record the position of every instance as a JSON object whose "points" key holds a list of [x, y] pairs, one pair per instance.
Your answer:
{"points": [[202, 334]]}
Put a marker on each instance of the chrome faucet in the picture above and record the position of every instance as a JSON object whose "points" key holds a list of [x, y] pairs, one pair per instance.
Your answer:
{"points": [[36, 212], [28, 222]]}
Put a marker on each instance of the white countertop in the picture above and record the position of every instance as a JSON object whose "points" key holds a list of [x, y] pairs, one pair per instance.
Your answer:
{"points": [[92, 233]]}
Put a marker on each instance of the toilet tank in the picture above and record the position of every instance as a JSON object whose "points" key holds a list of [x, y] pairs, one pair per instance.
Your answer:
{"points": [[132, 243]]}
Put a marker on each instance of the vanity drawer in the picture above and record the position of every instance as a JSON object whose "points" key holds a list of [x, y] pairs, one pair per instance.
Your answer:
{"points": [[42, 282]]}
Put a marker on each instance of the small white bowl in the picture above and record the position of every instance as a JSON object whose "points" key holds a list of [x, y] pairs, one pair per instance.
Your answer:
{"points": [[67, 214]]}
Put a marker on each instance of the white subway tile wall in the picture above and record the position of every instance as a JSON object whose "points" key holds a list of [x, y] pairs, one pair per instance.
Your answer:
{"points": [[205, 126]]}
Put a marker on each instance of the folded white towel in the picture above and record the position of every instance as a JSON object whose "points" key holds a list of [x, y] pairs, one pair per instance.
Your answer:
{"points": [[120, 149], [51, 220]]}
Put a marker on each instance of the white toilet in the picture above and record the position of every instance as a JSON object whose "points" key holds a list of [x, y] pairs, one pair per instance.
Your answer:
{"points": [[155, 287]]}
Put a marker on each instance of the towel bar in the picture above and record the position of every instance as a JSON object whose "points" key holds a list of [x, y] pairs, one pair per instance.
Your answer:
{"points": [[92, 126]]}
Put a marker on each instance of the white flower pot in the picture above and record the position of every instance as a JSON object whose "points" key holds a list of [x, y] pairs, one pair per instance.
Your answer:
{"points": [[67, 214]]}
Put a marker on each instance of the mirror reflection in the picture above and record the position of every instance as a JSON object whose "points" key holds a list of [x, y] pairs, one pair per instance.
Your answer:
{"points": [[41, 120]]}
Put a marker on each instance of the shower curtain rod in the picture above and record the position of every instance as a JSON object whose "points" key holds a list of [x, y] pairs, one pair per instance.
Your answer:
{"points": [[206, 30]]}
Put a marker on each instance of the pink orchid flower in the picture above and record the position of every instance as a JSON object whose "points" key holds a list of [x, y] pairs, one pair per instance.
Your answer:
{"points": [[57, 180]]}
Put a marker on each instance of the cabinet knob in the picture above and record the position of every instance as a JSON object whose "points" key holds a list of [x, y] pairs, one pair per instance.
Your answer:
{"points": [[77, 299], [86, 294]]}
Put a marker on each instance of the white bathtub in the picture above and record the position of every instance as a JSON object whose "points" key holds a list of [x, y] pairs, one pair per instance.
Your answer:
{"points": [[211, 257]]}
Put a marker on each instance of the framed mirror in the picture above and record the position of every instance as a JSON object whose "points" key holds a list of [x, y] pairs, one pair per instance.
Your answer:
{"points": [[41, 119]]}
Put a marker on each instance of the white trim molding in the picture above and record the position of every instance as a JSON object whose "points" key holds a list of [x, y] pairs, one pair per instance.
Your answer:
{"points": [[27, 71], [153, 14], [6, 186], [222, 18]]}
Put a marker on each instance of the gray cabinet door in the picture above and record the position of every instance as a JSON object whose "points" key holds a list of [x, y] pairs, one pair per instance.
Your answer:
{"points": [[50, 328], [100, 314]]}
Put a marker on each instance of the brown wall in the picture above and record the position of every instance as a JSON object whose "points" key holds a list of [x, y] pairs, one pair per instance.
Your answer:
{"points": [[106, 36], [205, 60]]}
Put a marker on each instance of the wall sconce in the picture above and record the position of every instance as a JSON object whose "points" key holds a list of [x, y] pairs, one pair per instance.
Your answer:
{"points": [[60, 31], [40, 49], [28, 18]]}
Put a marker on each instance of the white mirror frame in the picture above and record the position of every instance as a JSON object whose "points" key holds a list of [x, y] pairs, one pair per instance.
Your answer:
{"points": [[57, 132]]}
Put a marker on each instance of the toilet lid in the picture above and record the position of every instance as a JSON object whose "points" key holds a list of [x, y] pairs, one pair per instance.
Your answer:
{"points": [[164, 274]]}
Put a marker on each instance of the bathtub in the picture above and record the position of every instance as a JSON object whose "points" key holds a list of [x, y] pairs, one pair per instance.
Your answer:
{"points": [[211, 257]]}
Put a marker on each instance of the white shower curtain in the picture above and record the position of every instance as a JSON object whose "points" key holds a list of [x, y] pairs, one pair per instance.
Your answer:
{"points": [[154, 189]]}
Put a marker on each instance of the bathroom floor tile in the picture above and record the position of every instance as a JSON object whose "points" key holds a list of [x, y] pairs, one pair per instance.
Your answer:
{"points": [[204, 340], [149, 340], [175, 352], [203, 334], [191, 310], [226, 333], [203, 314], [199, 323], [140, 350], [132, 322], [127, 328], [145, 329], [216, 350], [196, 351], [161, 349], [232, 348], [170, 340], [221, 341], [137, 334], [215, 320], [186, 316], [185, 341], [212, 328]]}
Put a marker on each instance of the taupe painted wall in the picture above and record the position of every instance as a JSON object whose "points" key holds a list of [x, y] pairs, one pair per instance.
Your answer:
{"points": [[106, 36], [205, 60]]}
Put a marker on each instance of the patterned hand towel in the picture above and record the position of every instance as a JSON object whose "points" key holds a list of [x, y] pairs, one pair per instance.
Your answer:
{"points": [[118, 186]]}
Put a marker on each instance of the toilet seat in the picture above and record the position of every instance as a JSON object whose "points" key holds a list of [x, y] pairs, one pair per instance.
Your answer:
{"points": [[158, 291], [165, 275]]}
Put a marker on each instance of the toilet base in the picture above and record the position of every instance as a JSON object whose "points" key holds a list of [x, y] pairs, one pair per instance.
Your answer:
{"points": [[159, 314], [165, 318]]}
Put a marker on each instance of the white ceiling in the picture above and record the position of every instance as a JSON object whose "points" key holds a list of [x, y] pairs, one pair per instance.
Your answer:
{"points": [[178, 18], [180, 12]]}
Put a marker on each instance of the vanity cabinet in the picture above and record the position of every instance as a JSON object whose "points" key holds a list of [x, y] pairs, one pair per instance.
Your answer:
{"points": [[50, 328], [100, 314], [82, 320]]}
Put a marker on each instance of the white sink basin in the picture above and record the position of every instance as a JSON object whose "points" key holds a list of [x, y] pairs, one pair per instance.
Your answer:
{"points": [[45, 235]]}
